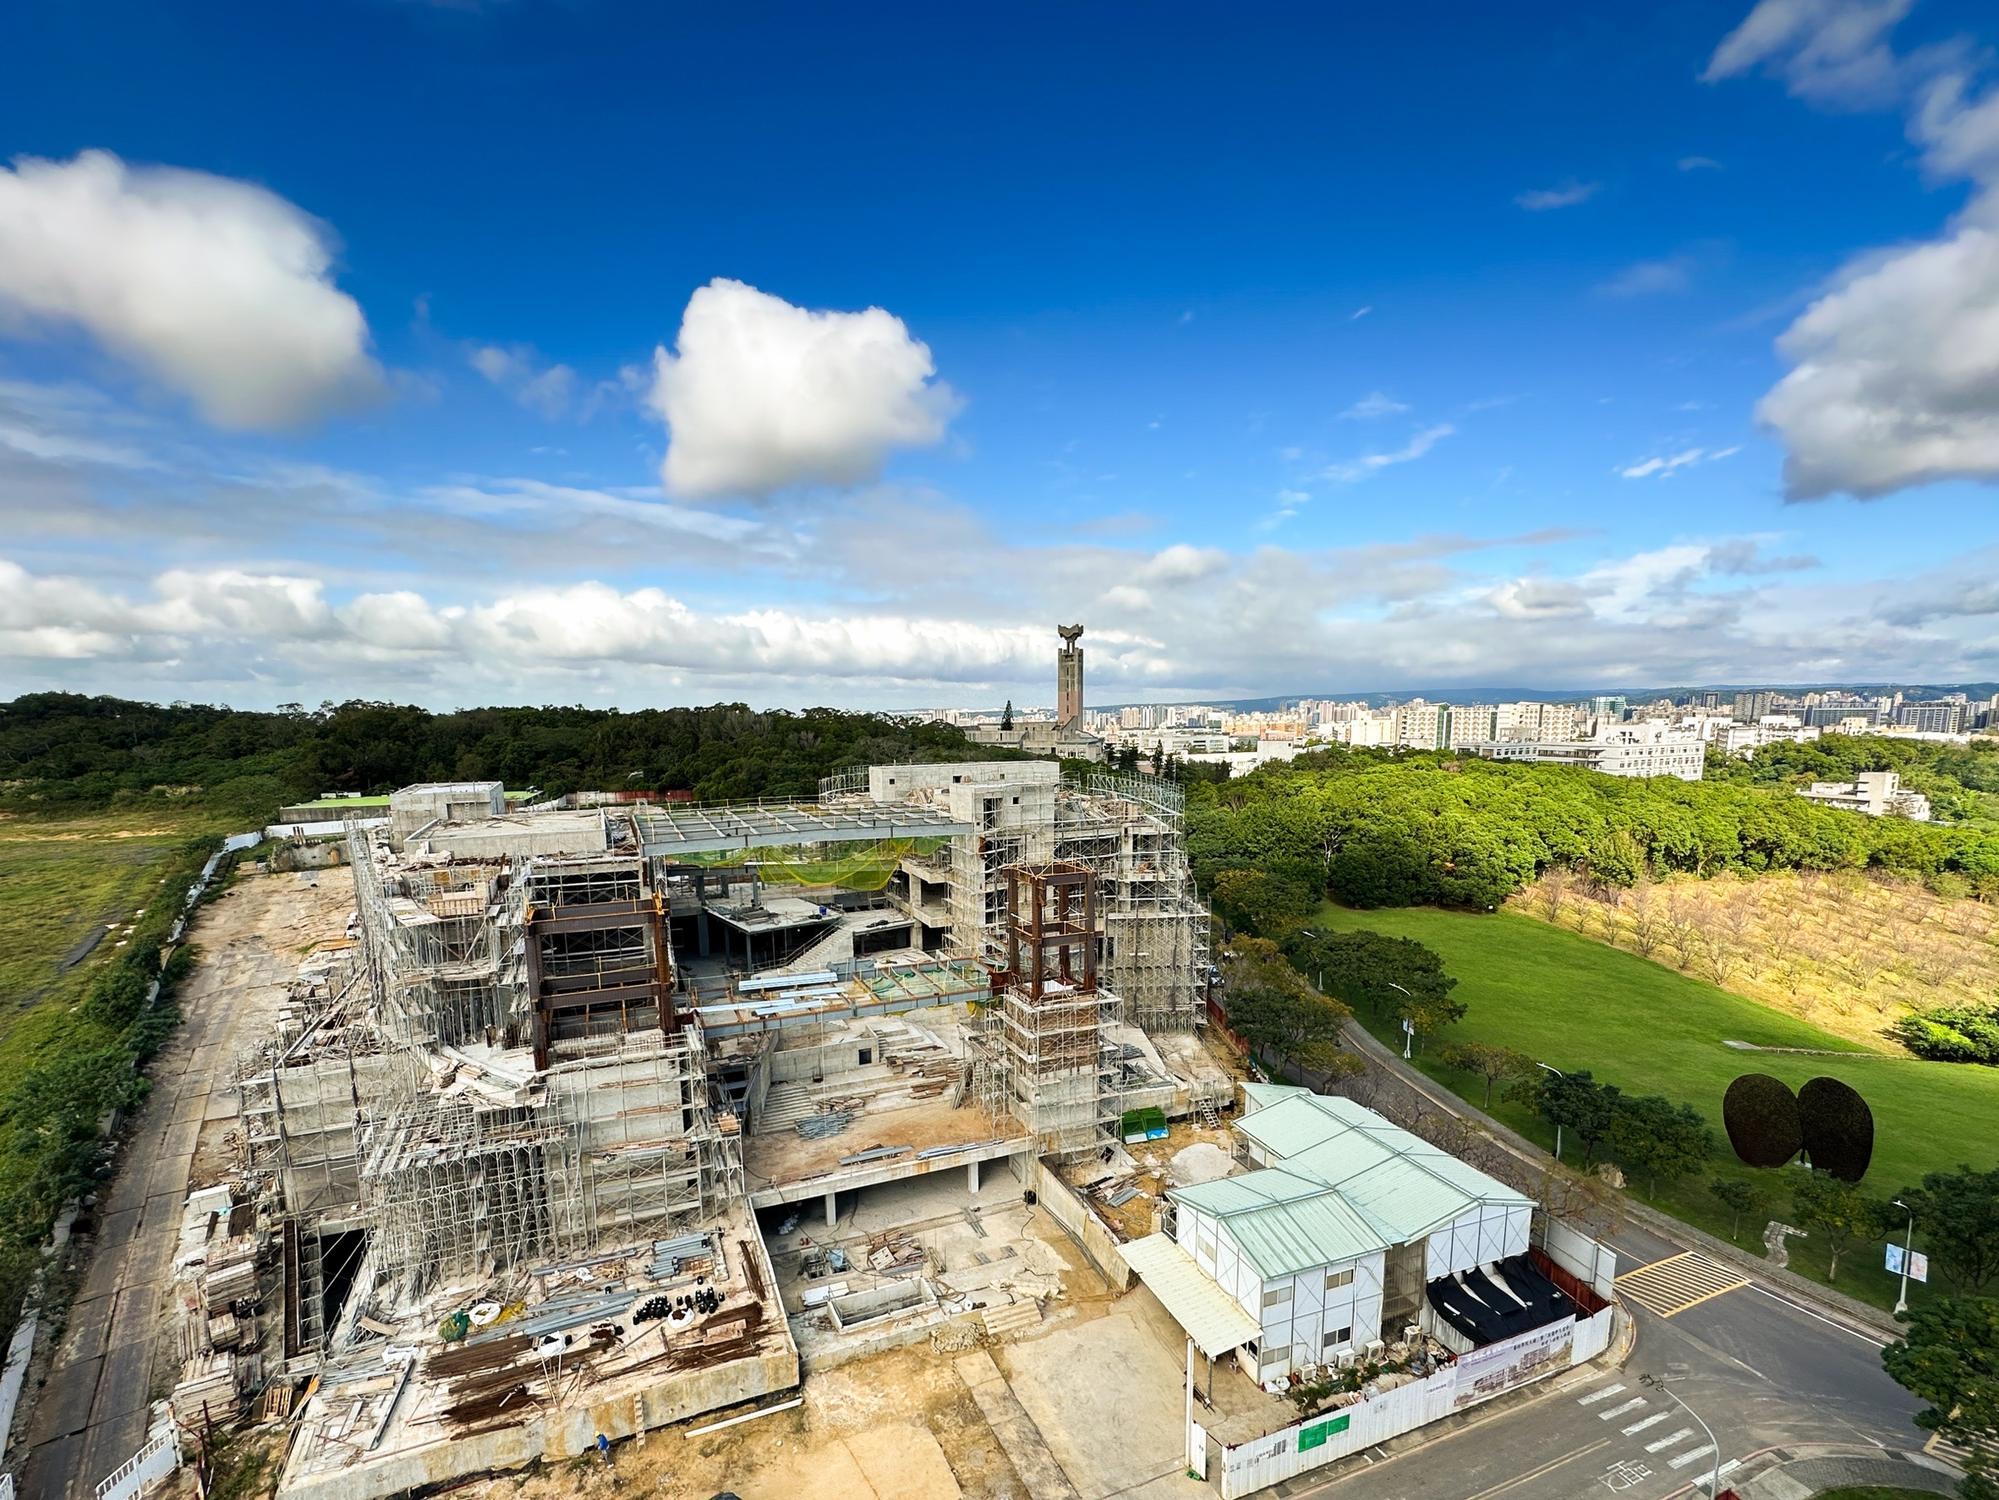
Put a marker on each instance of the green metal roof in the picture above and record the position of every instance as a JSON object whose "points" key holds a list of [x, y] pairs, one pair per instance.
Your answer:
{"points": [[1347, 1183], [1256, 1096], [1291, 1237]]}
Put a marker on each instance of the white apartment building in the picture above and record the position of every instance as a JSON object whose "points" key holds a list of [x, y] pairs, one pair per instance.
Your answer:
{"points": [[1538, 721], [1648, 748], [1878, 794], [1772, 729]]}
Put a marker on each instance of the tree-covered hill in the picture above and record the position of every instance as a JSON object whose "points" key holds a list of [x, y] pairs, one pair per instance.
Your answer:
{"points": [[59, 750], [1379, 828]]}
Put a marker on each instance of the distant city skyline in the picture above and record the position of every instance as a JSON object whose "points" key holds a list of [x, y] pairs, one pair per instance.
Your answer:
{"points": [[841, 366]]}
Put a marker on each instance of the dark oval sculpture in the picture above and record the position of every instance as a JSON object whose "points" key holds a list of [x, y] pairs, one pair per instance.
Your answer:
{"points": [[1838, 1128], [1760, 1114]]}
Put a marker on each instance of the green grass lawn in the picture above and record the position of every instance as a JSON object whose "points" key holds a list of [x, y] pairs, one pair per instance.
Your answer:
{"points": [[59, 880], [1572, 1002]]}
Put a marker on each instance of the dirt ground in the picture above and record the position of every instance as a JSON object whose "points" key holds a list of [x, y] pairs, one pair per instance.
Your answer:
{"points": [[252, 938]]}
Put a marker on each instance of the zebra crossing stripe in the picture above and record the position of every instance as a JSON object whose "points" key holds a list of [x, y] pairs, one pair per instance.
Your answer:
{"points": [[1594, 1396], [1618, 1411], [1669, 1439], [1681, 1460], [1644, 1422]]}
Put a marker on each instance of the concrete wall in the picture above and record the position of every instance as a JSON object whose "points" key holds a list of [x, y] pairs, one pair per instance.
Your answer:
{"points": [[791, 1063], [1085, 1228]]}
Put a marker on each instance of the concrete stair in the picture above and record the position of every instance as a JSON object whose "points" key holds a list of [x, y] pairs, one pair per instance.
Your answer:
{"points": [[1012, 1319]]}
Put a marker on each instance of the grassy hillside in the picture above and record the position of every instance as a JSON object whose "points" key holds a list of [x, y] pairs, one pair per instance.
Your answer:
{"points": [[61, 881], [1847, 952], [1573, 1002]]}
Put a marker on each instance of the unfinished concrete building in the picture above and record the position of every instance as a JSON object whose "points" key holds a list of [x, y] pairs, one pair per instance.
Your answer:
{"points": [[539, 1151]]}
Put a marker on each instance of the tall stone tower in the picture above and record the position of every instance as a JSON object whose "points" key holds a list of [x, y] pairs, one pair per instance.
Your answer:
{"points": [[1069, 678]]}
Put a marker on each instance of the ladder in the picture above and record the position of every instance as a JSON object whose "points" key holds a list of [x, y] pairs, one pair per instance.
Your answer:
{"points": [[311, 1293], [1206, 1113]]}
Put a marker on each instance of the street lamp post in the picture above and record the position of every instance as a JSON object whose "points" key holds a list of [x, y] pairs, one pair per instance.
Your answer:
{"points": [[1408, 1030], [1908, 1248], [1558, 1124], [1658, 1383]]}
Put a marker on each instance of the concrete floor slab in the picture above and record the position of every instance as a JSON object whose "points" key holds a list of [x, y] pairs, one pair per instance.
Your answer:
{"points": [[65, 1401], [46, 1472], [1106, 1398], [89, 1330], [116, 1230]]}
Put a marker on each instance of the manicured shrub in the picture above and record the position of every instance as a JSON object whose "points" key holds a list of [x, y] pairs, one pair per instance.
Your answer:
{"points": [[1838, 1128], [1761, 1116]]}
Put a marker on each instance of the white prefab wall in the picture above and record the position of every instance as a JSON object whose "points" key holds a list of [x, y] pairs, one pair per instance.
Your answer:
{"points": [[1299, 1311], [1478, 1237]]}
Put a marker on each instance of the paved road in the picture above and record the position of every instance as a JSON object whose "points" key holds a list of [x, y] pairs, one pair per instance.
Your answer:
{"points": [[93, 1412]]}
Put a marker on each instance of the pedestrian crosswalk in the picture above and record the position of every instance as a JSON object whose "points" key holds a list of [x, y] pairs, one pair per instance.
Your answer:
{"points": [[1640, 1419], [1671, 1286]]}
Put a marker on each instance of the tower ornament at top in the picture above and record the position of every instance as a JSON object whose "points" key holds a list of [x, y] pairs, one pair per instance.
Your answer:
{"points": [[1070, 633]]}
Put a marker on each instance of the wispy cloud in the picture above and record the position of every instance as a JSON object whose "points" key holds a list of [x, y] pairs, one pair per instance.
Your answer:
{"points": [[1565, 194], [1699, 164], [1664, 466], [1373, 463], [1373, 406], [1360, 312], [1651, 278]]}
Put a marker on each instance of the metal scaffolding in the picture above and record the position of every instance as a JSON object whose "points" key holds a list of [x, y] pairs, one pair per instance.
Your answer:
{"points": [[1043, 1051]]}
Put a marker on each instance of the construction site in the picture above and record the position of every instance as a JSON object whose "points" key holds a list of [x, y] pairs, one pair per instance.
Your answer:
{"points": [[609, 1116]]}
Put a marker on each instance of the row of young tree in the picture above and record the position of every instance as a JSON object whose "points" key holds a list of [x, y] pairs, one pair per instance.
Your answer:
{"points": [[64, 749], [1384, 828]]}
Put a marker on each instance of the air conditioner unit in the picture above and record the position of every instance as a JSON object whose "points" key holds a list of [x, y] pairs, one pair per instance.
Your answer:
{"points": [[1411, 1332], [1345, 1359], [1376, 1348]]}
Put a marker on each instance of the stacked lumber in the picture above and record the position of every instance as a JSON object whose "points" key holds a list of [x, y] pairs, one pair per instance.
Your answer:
{"points": [[206, 1392]]}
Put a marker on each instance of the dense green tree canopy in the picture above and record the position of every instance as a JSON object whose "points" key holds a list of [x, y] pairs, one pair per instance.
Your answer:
{"points": [[1950, 1358], [1959, 1214], [1381, 828], [62, 748]]}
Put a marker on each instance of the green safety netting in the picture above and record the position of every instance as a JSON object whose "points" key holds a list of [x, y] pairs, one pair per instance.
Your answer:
{"points": [[861, 866]]}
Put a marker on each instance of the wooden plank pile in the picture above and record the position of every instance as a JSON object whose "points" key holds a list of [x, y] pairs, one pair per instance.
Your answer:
{"points": [[895, 1252]]}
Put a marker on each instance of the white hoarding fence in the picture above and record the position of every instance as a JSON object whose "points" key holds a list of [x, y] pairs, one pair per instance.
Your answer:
{"points": [[1472, 1378]]}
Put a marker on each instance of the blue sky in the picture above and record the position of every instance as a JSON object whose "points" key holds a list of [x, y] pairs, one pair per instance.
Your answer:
{"points": [[1291, 350]]}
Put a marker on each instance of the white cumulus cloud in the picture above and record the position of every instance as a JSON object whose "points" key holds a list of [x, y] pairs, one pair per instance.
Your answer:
{"points": [[760, 395], [218, 289], [1894, 377]]}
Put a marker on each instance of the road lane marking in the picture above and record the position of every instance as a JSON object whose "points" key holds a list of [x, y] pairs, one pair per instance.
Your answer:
{"points": [[1669, 1439], [1681, 1460], [1609, 1390], [1546, 1468], [1617, 1411], [1644, 1422], [1865, 1338], [1669, 1287]]}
